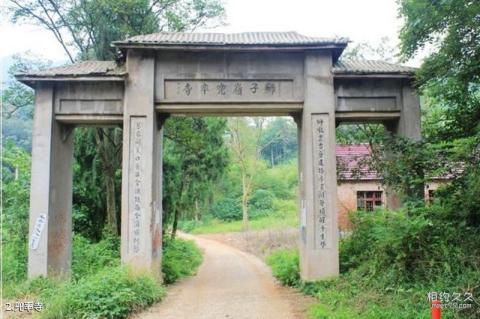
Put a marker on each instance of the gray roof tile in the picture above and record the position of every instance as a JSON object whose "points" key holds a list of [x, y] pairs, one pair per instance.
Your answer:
{"points": [[226, 39], [111, 68], [371, 67], [84, 68]]}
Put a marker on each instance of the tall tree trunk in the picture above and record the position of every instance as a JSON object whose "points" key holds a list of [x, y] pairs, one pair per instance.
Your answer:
{"points": [[177, 210], [107, 152], [245, 225], [175, 222], [271, 156], [210, 201], [197, 211], [112, 223]]}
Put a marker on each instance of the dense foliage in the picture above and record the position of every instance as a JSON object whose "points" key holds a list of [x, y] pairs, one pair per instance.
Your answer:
{"points": [[450, 75], [285, 266], [85, 30], [279, 141], [99, 287], [113, 292], [195, 158], [15, 193], [180, 259], [391, 261]]}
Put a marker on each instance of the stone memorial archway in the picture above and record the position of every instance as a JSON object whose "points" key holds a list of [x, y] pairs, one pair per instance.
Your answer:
{"points": [[193, 73]]}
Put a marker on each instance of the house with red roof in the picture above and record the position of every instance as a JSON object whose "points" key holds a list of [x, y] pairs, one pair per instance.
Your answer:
{"points": [[359, 186]]}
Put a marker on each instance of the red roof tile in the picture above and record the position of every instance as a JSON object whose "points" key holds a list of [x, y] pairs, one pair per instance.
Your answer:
{"points": [[353, 162]]}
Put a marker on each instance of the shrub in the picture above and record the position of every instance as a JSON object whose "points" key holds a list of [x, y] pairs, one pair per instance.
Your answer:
{"points": [[180, 258], [113, 292], [285, 207], [15, 192], [227, 209], [280, 180], [90, 257], [285, 267], [261, 203], [408, 247], [41, 286], [188, 225]]}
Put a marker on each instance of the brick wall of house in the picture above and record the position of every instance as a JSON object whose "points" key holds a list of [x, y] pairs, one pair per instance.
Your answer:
{"points": [[347, 198]]}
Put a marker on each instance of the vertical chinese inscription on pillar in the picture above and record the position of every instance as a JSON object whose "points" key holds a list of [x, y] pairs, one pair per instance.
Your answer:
{"points": [[137, 173], [322, 218]]}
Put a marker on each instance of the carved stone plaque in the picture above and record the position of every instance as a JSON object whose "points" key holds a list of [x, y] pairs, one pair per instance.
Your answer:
{"points": [[136, 193], [228, 90], [322, 215]]}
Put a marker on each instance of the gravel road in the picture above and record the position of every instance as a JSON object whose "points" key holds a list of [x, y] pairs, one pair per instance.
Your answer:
{"points": [[230, 284]]}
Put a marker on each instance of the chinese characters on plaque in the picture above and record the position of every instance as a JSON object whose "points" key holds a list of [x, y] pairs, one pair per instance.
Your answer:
{"points": [[228, 90], [322, 220], [37, 231], [136, 160]]}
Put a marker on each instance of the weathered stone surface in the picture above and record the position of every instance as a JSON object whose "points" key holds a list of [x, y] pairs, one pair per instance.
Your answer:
{"points": [[301, 81], [317, 262], [142, 170], [51, 191]]}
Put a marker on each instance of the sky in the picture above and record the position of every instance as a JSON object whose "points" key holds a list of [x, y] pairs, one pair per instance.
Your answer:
{"points": [[358, 20]]}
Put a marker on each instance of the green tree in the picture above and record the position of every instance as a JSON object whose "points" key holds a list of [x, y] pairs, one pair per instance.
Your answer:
{"points": [[369, 51], [15, 193], [449, 80], [85, 29], [195, 157], [17, 101], [279, 141], [450, 75], [244, 136]]}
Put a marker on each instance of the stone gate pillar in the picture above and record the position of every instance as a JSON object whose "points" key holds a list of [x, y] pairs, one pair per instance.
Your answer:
{"points": [[409, 126], [50, 234], [318, 218], [141, 238]]}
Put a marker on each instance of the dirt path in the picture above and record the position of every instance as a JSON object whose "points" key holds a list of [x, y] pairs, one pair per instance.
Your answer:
{"points": [[229, 284]]}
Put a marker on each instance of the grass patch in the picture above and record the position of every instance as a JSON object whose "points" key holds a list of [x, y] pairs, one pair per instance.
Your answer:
{"points": [[216, 226], [285, 266], [99, 286], [351, 296], [181, 258], [390, 263], [285, 216], [111, 293]]}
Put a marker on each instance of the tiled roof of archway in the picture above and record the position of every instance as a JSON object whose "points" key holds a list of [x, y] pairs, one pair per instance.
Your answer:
{"points": [[111, 68], [371, 66], [230, 39], [83, 68]]}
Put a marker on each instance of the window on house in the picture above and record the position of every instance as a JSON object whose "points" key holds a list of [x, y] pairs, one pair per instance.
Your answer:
{"points": [[369, 200]]}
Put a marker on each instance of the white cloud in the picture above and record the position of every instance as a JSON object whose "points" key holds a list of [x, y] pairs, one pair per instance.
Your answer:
{"points": [[21, 38]]}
